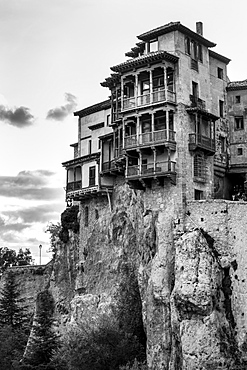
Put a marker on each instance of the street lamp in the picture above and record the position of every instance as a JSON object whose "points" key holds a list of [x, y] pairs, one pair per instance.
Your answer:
{"points": [[40, 247]]}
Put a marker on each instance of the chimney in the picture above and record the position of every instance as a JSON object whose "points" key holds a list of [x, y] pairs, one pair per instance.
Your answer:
{"points": [[199, 28]]}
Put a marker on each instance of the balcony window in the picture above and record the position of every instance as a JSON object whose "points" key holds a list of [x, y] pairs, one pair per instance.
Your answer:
{"points": [[158, 82], [145, 87], [195, 89], [239, 123], [170, 79], [92, 173]]}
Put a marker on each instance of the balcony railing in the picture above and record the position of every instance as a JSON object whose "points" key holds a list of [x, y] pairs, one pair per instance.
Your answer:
{"points": [[150, 98], [118, 151], [203, 142], [197, 102], [150, 169], [149, 138], [108, 166], [72, 186]]}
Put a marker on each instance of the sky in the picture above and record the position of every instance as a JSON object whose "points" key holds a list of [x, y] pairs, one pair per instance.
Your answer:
{"points": [[53, 56]]}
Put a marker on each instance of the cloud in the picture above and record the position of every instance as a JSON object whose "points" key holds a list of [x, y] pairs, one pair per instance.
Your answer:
{"points": [[40, 213], [31, 185], [60, 113], [18, 117]]}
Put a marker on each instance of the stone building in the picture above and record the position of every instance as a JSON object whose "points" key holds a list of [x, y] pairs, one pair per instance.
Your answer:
{"points": [[167, 121]]}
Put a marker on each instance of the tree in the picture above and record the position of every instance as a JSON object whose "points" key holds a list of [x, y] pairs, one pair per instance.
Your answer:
{"points": [[14, 328], [8, 257], [43, 339], [23, 257], [12, 313]]}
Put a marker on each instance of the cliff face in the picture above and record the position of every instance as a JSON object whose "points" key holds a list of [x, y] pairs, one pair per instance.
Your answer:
{"points": [[177, 277]]}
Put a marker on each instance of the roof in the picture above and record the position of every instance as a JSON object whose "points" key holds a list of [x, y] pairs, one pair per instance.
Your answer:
{"points": [[79, 160], [94, 108], [143, 60], [237, 85], [174, 26], [202, 111], [111, 81], [220, 57]]}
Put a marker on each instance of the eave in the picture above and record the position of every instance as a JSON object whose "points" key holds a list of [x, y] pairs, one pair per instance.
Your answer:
{"points": [[79, 160], [145, 59], [106, 104], [202, 112], [220, 57], [237, 85], [174, 26]]}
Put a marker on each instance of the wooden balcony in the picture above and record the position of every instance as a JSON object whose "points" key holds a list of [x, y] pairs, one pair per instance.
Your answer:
{"points": [[154, 138], [197, 102], [204, 143], [159, 169], [160, 95]]}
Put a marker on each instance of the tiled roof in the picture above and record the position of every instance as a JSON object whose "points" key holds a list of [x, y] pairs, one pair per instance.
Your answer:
{"points": [[237, 85], [93, 108], [174, 26], [143, 60], [220, 57], [111, 81]]}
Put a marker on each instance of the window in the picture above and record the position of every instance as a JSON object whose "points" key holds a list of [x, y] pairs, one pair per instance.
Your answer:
{"points": [[96, 214], [158, 82], [199, 167], [145, 87], [86, 214], [170, 77], [195, 89], [237, 99], [92, 176], [239, 123], [89, 146], [153, 45], [240, 151], [200, 57], [99, 145], [198, 194], [222, 144], [108, 120], [187, 45], [220, 73], [221, 108]]}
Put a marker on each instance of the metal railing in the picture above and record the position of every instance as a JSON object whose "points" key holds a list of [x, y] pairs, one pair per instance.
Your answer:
{"points": [[151, 169]]}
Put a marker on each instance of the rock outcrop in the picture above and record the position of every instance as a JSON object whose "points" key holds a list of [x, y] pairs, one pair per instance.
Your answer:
{"points": [[175, 278]]}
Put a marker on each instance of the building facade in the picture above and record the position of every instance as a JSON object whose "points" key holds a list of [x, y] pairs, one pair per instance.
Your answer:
{"points": [[172, 117]]}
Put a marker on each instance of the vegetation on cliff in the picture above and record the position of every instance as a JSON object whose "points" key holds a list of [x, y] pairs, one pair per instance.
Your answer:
{"points": [[14, 325]]}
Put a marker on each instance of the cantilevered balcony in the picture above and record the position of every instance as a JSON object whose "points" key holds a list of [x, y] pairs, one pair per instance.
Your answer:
{"points": [[197, 141], [160, 95], [158, 169], [197, 102], [150, 138], [73, 186]]}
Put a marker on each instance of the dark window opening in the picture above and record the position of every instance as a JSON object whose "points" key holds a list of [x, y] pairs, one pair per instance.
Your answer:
{"points": [[221, 108], [222, 143], [108, 121], [86, 215], [89, 146], [239, 123], [195, 89], [198, 194], [92, 176], [96, 214], [240, 151], [237, 99], [220, 73]]}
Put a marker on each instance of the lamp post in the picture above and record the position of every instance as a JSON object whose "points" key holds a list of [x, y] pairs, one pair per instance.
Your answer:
{"points": [[40, 247]]}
